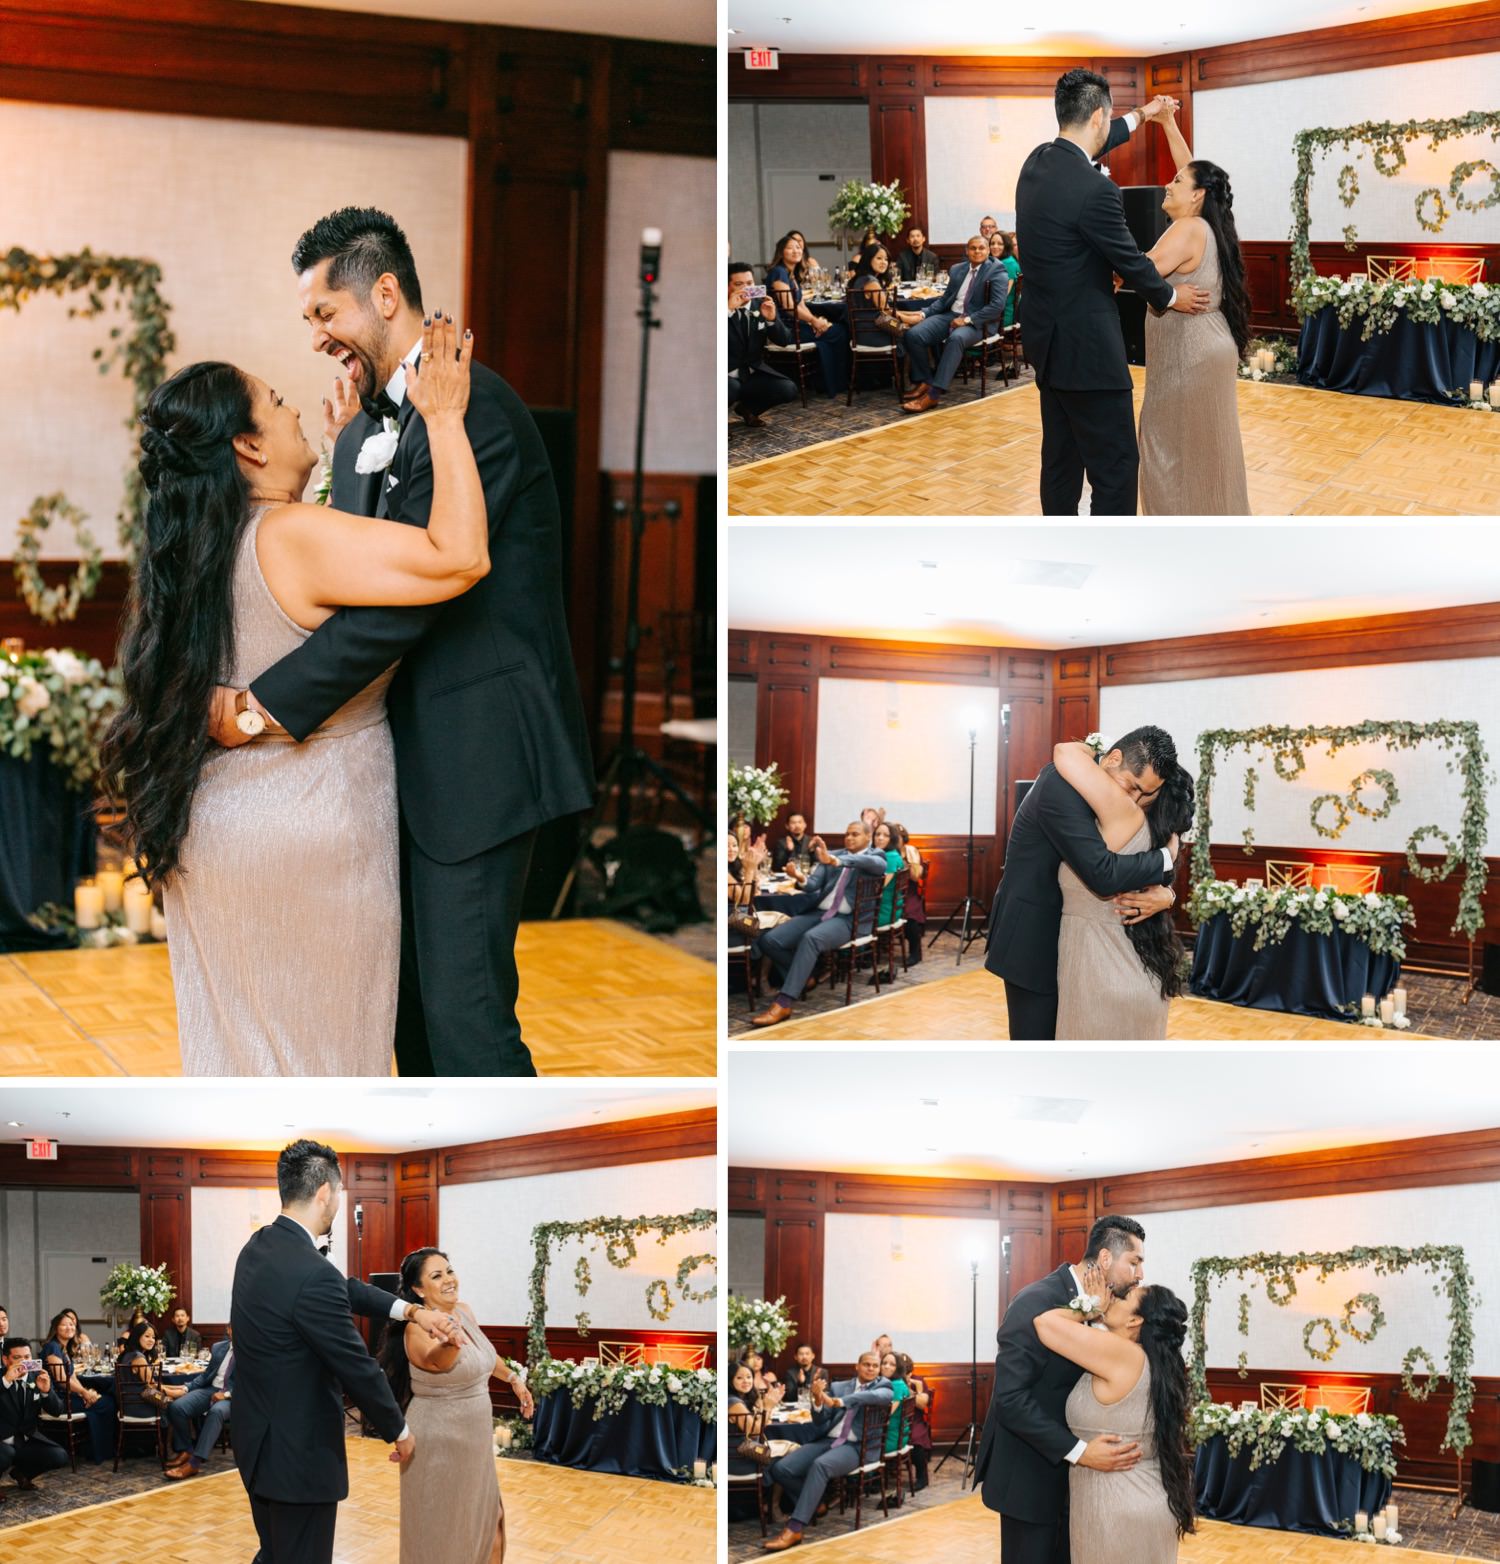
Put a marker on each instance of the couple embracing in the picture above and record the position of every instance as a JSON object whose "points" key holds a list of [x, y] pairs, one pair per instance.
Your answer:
{"points": [[1081, 926], [1084, 1453], [1071, 229]]}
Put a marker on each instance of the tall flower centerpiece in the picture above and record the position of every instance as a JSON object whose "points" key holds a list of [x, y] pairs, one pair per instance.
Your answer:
{"points": [[862, 204], [756, 793]]}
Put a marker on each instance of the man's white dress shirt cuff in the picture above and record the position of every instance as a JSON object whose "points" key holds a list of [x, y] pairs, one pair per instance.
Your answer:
{"points": [[1166, 859], [398, 1309], [405, 1431], [1075, 1452], [1132, 122]]}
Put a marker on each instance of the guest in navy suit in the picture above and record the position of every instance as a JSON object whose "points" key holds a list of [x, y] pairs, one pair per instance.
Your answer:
{"points": [[198, 1418], [966, 312], [22, 1449]]}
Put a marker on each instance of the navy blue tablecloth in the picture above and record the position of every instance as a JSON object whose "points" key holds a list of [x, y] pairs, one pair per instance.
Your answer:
{"points": [[47, 844], [637, 1441], [1413, 361], [1296, 1492], [1307, 974]]}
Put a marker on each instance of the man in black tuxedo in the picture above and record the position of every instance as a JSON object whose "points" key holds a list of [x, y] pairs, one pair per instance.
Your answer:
{"points": [[1054, 826], [489, 729], [179, 1339], [297, 1355], [752, 387], [973, 301], [1070, 226], [1027, 1447], [22, 1449]]}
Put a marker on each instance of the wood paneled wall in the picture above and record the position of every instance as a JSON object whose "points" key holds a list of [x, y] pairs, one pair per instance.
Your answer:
{"points": [[397, 1191], [541, 111], [1047, 1225], [1054, 696]]}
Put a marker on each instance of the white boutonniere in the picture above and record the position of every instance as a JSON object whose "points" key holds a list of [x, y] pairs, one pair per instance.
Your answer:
{"points": [[1085, 1304], [377, 453], [324, 491], [1095, 742]]}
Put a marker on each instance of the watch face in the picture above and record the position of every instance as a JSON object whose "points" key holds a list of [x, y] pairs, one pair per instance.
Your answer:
{"points": [[250, 723]]}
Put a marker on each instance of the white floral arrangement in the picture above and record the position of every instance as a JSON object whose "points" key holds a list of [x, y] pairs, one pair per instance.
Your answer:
{"points": [[756, 793], [1367, 1437], [862, 204], [1376, 919], [144, 1287], [755, 1323], [1380, 302], [610, 1385], [1095, 742], [62, 701]]}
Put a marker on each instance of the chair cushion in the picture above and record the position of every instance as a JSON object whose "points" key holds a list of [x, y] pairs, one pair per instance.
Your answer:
{"points": [[863, 348], [798, 347]]}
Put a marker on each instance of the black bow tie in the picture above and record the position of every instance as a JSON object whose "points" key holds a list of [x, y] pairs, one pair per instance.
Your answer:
{"points": [[323, 1249], [380, 406]]}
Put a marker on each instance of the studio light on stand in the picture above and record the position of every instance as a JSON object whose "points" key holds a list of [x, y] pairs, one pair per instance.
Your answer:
{"points": [[968, 914], [969, 1437]]}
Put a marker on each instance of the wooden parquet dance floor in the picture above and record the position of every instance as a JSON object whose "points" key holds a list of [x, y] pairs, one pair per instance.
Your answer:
{"points": [[597, 998], [966, 1530], [553, 1515], [1308, 453], [970, 1007]]}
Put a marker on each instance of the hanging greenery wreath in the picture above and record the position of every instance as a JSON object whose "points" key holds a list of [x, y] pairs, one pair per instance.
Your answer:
{"points": [[142, 355], [1330, 1339], [1446, 1263], [1331, 831], [664, 1310], [1382, 779], [1440, 214], [685, 1268], [1369, 1302], [1465, 171], [1467, 757], [618, 1234], [55, 605]]}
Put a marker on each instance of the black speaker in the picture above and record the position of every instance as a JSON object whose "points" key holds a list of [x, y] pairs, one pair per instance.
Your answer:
{"points": [[1489, 979], [386, 1281], [1022, 789], [1143, 214], [1484, 1492]]}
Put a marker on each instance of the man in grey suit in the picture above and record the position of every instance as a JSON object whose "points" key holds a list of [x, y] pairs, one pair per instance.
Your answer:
{"points": [[968, 307], [824, 917], [833, 1451]]}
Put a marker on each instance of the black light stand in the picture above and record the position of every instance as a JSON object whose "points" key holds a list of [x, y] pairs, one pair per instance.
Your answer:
{"points": [[627, 758], [969, 1438], [352, 1414], [972, 915]]}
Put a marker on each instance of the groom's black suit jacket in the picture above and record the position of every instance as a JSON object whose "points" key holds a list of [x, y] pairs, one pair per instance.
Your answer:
{"points": [[1070, 226], [1053, 826], [485, 712], [1022, 1467], [296, 1356]]}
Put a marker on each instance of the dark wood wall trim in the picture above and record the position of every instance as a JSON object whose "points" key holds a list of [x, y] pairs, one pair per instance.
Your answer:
{"points": [[661, 1138]]}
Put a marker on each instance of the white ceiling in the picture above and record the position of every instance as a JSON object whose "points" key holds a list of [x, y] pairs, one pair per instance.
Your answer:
{"points": [[1142, 583], [671, 21], [348, 1116], [1111, 1113], [1094, 27]]}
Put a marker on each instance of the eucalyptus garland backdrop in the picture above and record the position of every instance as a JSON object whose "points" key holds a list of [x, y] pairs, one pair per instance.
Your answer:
{"points": [[141, 354], [1362, 1320], [1373, 793]]}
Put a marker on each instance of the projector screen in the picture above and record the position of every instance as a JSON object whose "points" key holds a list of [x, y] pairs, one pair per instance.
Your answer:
{"points": [[975, 149], [904, 747]]}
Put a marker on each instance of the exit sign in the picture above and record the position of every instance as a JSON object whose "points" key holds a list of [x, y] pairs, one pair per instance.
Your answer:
{"points": [[760, 59], [41, 1151]]}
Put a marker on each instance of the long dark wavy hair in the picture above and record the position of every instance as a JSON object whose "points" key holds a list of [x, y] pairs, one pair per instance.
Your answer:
{"points": [[1218, 213], [1163, 1331], [69, 1348], [778, 257], [393, 1343], [179, 623], [1157, 942]]}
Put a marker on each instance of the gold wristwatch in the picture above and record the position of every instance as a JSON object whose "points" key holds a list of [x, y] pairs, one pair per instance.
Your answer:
{"points": [[246, 718]]}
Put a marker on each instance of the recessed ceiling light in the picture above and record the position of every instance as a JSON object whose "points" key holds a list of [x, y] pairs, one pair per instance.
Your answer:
{"points": [[15, 1124]]}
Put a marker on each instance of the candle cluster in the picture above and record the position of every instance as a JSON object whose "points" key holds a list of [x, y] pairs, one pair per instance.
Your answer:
{"points": [[1381, 1525], [1482, 396], [117, 898], [1390, 1011]]}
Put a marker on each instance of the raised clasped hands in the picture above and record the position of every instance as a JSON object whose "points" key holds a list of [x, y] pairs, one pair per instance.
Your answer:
{"points": [[439, 381], [440, 1326], [1160, 107]]}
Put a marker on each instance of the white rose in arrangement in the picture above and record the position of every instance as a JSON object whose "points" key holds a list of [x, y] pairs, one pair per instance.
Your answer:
{"points": [[1340, 910], [4, 690], [1447, 301], [32, 697]]}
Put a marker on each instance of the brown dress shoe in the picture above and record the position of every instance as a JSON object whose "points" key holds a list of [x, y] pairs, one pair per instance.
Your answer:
{"points": [[921, 403], [771, 1017], [786, 1538], [180, 1459], [177, 1473]]}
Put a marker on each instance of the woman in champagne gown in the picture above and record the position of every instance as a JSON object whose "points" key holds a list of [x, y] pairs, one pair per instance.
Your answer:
{"points": [[1135, 1386], [1192, 458], [1115, 982], [449, 1487], [278, 860]]}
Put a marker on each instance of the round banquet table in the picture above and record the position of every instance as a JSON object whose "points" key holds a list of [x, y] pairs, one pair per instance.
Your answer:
{"points": [[1295, 1492], [100, 1418], [636, 1441], [1413, 361]]}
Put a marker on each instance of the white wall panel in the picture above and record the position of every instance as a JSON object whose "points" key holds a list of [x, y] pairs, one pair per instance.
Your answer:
{"points": [[223, 1221], [975, 149]]}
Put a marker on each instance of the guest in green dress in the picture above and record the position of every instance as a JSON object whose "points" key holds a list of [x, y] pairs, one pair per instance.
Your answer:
{"points": [[890, 1368], [885, 841], [1003, 249]]}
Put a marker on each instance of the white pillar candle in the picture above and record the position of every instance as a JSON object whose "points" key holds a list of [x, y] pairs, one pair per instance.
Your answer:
{"points": [[88, 905], [1399, 995], [1495, 393], [700, 1470], [504, 1435], [1476, 391], [1387, 1011], [112, 883], [1390, 1517], [1377, 1525], [137, 907], [158, 924], [1361, 1521], [1367, 1005]]}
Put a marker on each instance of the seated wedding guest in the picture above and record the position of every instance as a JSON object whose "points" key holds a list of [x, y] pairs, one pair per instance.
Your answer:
{"points": [[141, 1355], [823, 921], [23, 1450], [754, 388], [795, 845], [875, 278], [59, 1358], [921, 1427], [179, 1339], [960, 316], [197, 1417], [799, 1376], [987, 226], [784, 279], [746, 1419], [880, 1346], [916, 896], [916, 260], [4, 1327], [1003, 249], [754, 1360], [886, 842], [137, 1317], [872, 818], [891, 1368], [838, 1421]]}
